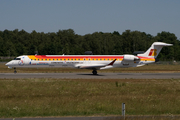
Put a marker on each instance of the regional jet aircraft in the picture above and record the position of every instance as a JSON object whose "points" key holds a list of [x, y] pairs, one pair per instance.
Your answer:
{"points": [[93, 62]]}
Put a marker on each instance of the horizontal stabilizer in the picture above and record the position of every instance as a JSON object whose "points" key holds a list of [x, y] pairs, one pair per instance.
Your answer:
{"points": [[162, 44]]}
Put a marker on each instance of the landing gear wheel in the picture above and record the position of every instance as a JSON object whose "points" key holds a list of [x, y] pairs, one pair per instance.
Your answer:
{"points": [[94, 72], [15, 71]]}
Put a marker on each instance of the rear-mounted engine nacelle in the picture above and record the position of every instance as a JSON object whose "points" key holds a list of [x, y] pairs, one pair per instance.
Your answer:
{"points": [[130, 58]]}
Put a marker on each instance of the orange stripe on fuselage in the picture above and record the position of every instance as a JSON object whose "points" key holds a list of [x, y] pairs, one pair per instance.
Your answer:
{"points": [[146, 58], [74, 57], [44, 57]]}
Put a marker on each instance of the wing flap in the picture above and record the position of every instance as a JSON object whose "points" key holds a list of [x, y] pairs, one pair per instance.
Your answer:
{"points": [[96, 66], [92, 66]]}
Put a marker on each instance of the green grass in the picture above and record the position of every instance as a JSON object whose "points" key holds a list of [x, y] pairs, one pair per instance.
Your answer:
{"points": [[86, 97]]}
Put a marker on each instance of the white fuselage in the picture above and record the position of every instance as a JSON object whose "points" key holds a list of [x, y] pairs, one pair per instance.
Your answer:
{"points": [[78, 61]]}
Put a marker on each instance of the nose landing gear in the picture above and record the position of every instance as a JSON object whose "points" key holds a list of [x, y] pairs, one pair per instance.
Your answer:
{"points": [[94, 72], [15, 71]]}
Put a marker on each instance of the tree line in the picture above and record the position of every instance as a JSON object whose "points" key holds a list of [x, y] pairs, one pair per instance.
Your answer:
{"points": [[16, 43]]}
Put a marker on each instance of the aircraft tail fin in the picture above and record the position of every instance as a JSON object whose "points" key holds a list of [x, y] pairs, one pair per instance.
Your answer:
{"points": [[154, 50]]}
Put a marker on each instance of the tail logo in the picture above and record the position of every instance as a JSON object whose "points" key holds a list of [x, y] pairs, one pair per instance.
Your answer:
{"points": [[153, 52]]}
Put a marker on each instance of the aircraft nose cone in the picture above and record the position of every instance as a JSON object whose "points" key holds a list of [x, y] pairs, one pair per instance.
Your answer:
{"points": [[7, 64]]}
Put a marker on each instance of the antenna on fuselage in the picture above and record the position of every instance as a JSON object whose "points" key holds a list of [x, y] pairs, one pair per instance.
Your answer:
{"points": [[88, 53], [36, 53]]}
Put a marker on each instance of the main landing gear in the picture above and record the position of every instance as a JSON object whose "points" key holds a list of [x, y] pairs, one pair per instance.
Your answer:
{"points": [[94, 72], [15, 71]]}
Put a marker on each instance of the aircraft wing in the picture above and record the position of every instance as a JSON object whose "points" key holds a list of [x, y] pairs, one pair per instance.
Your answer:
{"points": [[96, 66]]}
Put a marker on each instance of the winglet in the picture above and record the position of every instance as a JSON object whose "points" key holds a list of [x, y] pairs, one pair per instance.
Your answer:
{"points": [[112, 62]]}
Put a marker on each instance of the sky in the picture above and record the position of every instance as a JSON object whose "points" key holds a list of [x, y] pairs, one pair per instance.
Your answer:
{"points": [[89, 16]]}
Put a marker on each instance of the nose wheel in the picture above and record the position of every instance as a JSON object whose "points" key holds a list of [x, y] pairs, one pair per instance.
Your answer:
{"points": [[94, 72], [15, 71]]}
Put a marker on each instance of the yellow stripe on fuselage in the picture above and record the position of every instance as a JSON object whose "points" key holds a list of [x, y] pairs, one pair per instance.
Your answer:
{"points": [[73, 58], [81, 58]]}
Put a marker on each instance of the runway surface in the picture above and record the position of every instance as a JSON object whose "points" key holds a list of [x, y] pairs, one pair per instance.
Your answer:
{"points": [[91, 76]]}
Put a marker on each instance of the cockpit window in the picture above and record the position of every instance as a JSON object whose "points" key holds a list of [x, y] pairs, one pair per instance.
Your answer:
{"points": [[17, 58]]}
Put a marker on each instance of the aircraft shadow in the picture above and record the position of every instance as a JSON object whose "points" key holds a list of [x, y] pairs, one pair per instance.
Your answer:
{"points": [[91, 74], [124, 74]]}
